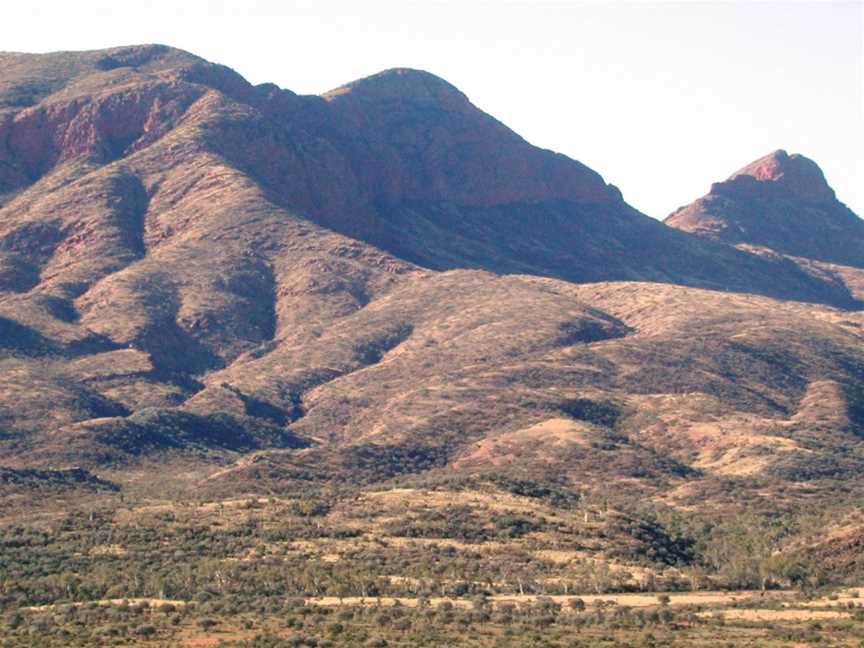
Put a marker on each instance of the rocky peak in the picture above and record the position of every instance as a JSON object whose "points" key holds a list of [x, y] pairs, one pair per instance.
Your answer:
{"points": [[779, 174], [781, 202]]}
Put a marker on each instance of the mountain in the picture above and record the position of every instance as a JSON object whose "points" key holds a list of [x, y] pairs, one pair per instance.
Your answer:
{"points": [[389, 316], [191, 260], [400, 160], [782, 203]]}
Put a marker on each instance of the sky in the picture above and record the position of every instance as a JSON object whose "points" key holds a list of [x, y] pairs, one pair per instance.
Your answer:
{"points": [[660, 98]]}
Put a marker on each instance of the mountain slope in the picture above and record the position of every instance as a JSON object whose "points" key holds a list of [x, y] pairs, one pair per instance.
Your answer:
{"points": [[185, 255]]}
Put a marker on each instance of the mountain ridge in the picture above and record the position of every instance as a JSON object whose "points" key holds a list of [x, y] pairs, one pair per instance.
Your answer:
{"points": [[310, 159]]}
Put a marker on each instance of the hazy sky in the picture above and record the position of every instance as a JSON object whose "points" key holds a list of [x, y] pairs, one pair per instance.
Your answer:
{"points": [[660, 98]]}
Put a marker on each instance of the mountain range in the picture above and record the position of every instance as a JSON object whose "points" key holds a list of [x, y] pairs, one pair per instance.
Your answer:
{"points": [[213, 287]]}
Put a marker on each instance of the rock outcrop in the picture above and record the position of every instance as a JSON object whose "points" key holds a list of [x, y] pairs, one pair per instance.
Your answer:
{"points": [[781, 202]]}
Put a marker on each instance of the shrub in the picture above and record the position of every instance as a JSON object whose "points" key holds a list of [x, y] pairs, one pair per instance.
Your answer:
{"points": [[577, 605], [207, 623]]}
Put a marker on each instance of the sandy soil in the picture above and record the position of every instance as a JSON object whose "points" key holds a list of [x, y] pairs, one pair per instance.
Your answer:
{"points": [[152, 602], [776, 615], [631, 600]]}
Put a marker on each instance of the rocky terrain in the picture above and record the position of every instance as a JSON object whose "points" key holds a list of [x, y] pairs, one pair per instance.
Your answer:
{"points": [[210, 290]]}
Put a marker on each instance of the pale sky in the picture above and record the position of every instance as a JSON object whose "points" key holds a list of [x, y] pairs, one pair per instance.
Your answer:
{"points": [[660, 98]]}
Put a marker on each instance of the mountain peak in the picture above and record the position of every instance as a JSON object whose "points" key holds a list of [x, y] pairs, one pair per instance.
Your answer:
{"points": [[422, 139], [779, 174], [143, 55], [768, 167], [403, 84], [781, 202]]}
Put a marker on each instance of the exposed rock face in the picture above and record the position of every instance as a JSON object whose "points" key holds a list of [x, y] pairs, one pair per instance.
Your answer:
{"points": [[783, 175], [781, 202], [102, 128], [97, 111]]}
